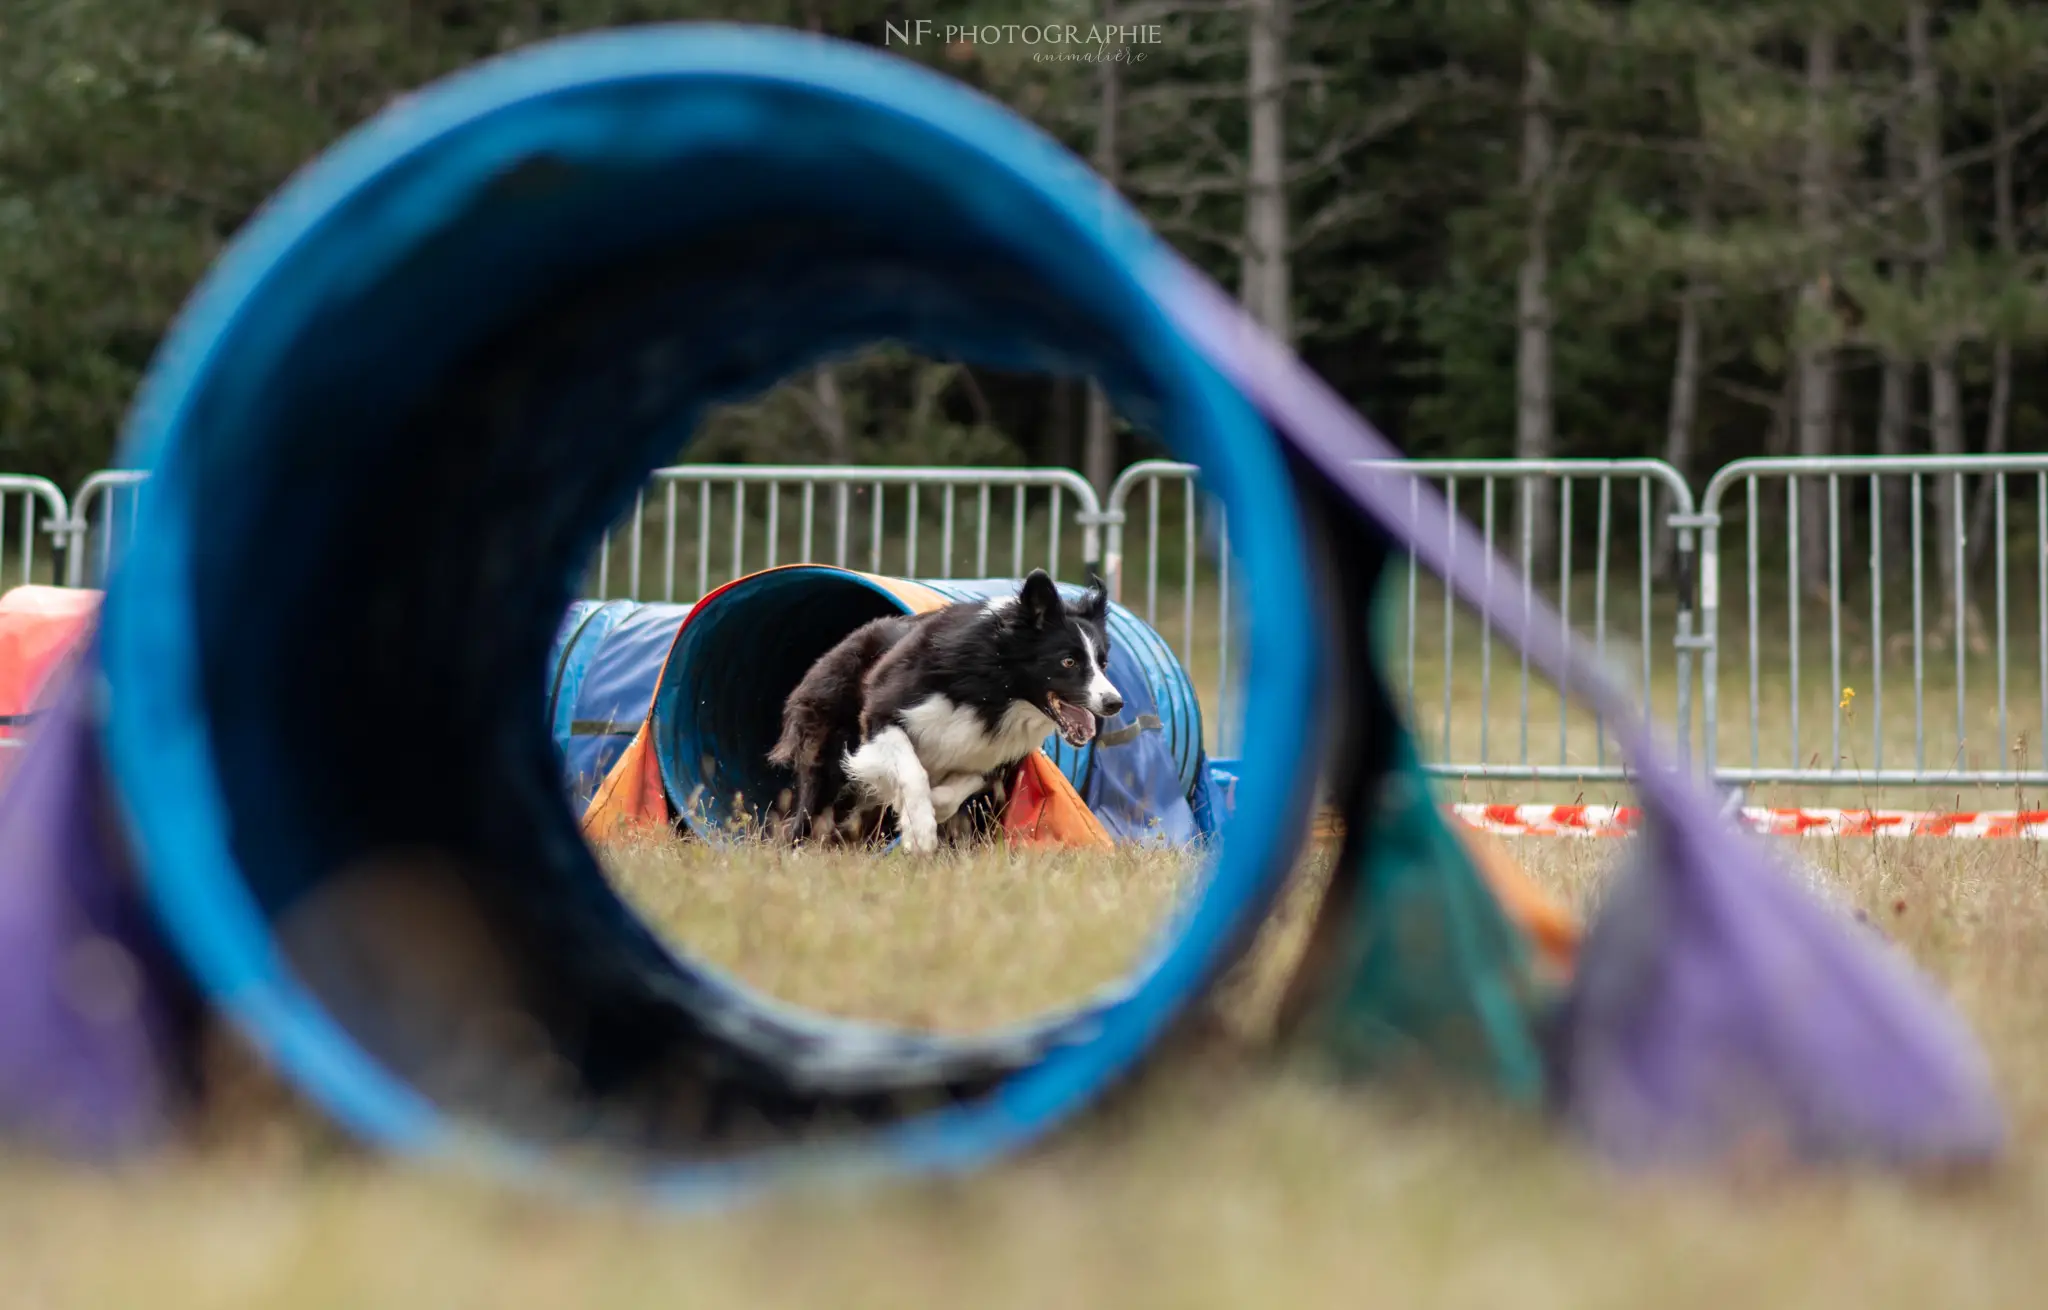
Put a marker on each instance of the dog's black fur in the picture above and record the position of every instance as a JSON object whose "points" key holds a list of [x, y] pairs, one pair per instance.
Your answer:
{"points": [[973, 687], [824, 720]]}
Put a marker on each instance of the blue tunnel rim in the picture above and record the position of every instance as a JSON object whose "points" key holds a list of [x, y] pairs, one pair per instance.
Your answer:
{"points": [[158, 746]]}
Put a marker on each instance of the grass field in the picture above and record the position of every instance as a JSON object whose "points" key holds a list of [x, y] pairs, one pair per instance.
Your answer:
{"points": [[1228, 1177]]}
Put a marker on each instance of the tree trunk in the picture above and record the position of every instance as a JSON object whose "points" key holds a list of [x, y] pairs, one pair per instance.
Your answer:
{"points": [[1895, 391], [1778, 435], [1678, 426], [831, 415], [1098, 453], [1534, 435], [1060, 448], [2006, 230], [1944, 388], [1098, 461], [1266, 286], [1894, 414], [1814, 427], [928, 383]]}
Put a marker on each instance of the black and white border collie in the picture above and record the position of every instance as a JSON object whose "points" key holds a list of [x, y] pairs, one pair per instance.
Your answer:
{"points": [[919, 713]]}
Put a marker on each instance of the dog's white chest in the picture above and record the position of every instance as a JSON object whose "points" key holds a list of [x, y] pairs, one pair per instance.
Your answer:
{"points": [[952, 739]]}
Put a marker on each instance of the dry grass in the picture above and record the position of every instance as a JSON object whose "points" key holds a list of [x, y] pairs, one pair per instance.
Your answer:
{"points": [[1225, 1180], [967, 939]]}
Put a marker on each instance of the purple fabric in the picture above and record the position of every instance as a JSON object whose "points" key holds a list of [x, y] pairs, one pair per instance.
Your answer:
{"points": [[86, 1000], [1722, 1010], [1719, 1006]]}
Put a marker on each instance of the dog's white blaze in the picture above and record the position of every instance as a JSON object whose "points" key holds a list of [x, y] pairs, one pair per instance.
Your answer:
{"points": [[1101, 691]]}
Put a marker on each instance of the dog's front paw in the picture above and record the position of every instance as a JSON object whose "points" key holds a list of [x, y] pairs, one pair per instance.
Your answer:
{"points": [[921, 838]]}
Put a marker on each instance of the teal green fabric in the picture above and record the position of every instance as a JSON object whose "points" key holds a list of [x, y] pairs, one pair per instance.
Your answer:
{"points": [[1432, 976]]}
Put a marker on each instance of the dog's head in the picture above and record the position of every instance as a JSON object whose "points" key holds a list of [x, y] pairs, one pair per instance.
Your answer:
{"points": [[1057, 653]]}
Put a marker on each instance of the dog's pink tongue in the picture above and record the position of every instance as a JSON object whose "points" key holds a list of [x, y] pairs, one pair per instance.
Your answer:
{"points": [[1078, 724]]}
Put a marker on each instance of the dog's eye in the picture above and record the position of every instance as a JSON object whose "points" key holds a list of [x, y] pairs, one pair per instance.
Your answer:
{"points": [[1068, 662]]}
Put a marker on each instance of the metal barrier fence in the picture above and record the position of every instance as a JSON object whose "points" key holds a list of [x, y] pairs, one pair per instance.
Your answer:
{"points": [[102, 519], [840, 514], [1625, 497], [1998, 743], [715, 522], [1164, 549], [30, 508]]}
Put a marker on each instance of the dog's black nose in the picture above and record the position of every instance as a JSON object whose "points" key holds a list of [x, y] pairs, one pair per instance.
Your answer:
{"points": [[1112, 705]]}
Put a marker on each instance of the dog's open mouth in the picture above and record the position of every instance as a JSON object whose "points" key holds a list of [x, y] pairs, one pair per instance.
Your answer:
{"points": [[1077, 725]]}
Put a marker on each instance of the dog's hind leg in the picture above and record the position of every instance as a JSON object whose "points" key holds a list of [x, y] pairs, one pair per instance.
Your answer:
{"points": [[852, 827], [823, 791], [887, 765], [783, 822], [958, 830], [824, 828], [802, 821], [950, 795]]}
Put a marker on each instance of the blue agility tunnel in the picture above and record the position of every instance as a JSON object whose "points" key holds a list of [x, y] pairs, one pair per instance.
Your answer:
{"points": [[602, 672], [717, 698], [486, 315]]}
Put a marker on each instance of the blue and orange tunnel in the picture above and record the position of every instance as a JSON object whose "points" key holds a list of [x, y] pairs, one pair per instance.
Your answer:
{"points": [[667, 712]]}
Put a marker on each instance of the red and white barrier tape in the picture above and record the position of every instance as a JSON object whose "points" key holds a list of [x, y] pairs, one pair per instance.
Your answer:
{"points": [[1620, 820]]}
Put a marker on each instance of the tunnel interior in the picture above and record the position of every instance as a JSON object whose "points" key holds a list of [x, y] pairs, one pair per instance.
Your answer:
{"points": [[718, 710]]}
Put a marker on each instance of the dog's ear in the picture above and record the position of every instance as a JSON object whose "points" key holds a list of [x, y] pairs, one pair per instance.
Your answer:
{"points": [[1095, 604], [1038, 601]]}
